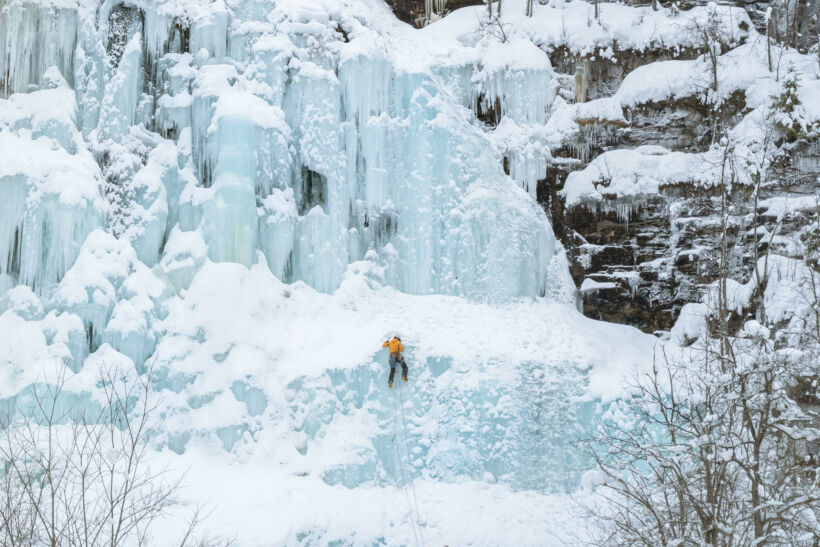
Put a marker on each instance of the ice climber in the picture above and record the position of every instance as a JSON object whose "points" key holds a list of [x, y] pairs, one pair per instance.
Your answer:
{"points": [[396, 349]]}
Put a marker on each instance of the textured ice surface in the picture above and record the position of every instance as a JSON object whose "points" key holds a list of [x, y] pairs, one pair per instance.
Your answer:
{"points": [[35, 36], [496, 399], [371, 151], [50, 185], [494, 394], [116, 296]]}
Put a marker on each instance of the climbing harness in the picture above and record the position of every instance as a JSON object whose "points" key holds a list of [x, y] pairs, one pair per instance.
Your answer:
{"points": [[414, 521]]}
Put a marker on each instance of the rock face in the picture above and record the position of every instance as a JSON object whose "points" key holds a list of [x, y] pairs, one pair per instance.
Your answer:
{"points": [[628, 262], [663, 253], [638, 263]]}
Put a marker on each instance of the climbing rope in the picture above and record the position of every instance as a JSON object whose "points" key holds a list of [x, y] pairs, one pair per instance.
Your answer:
{"points": [[413, 521], [407, 449]]}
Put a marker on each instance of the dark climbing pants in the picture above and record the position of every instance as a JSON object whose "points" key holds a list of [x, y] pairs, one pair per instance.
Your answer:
{"points": [[393, 362]]}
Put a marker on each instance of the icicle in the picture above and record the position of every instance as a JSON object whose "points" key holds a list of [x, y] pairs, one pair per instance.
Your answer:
{"points": [[523, 94], [210, 31], [157, 31], [313, 104], [39, 238], [624, 208], [581, 80], [580, 149], [365, 87], [229, 217], [89, 76], [35, 36], [277, 228]]}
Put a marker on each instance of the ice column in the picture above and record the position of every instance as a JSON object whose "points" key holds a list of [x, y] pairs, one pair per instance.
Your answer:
{"points": [[33, 37], [50, 187], [313, 108], [229, 216]]}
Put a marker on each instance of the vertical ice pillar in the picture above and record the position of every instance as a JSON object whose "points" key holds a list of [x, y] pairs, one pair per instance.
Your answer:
{"points": [[517, 79], [229, 217], [313, 109], [210, 82], [277, 228], [157, 27], [89, 76], [319, 254], [241, 144], [269, 63], [365, 82], [154, 193], [366, 93], [209, 31], [174, 106], [33, 37], [52, 234], [415, 200], [516, 86], [13, 194], [50, 188]]}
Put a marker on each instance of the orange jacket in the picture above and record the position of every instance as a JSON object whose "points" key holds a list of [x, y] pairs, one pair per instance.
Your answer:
{"points": [[394, 344]]}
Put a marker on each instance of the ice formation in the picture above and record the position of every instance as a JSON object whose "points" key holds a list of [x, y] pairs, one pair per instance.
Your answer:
{"points": [[171, 170], [51, 185], [297, 134]]}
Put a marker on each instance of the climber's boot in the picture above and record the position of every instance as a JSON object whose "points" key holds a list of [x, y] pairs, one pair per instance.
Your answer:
{"points": [[404, 377], [390, 385]]}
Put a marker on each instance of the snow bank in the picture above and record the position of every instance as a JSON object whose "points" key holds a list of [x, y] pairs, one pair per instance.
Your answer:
{"points": [[784, 206], [690, 325], [466, 512], [572, 25], [633, 174], [738, 69]]}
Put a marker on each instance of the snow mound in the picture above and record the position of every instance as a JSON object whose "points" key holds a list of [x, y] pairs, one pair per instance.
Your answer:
{"points": [[632, 174]]}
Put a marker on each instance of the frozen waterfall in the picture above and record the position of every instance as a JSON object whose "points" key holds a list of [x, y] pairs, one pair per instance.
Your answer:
{"points": [[282, 131], [246, 196]]}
